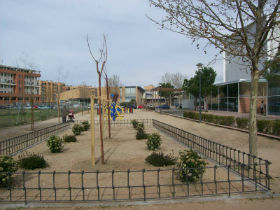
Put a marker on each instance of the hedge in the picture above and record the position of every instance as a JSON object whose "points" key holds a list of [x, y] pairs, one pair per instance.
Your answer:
{"points": [[221, 120], [264, 126]]}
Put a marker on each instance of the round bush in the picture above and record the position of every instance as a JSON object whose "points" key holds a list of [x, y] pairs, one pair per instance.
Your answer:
{"points": [[141, 134], [159, 159], [69, 138], [153, 142], [8, 166], [191, 166], [55, 144], [32, 161], [85, 125], [134, 123], [77, 129]]}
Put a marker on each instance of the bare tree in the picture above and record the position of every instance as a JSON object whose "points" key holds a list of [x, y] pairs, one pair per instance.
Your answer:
{"points": [[114, 81], [176, 79], [240, 29], [115, 85], [100, 65], [108, 102]]}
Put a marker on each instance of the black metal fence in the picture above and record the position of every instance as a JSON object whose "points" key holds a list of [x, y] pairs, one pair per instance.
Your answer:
{"points": [[126, 122], [256, 168], [122, 185], [17, 144]]}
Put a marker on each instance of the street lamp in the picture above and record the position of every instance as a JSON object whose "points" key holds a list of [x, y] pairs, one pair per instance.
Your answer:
{"points": [[199, 67]]}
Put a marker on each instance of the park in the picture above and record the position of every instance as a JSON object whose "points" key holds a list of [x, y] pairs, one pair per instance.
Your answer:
{"points": [[156, 104], [126, 176]]}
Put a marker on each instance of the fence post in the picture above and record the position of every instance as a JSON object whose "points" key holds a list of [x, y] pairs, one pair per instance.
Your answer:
{"points": [[255, 177], [39, 184], [10, 185], [128, 185], [267, 174], [173, 185], [69, 185], [229, 190], [83, 188], [215, 179], [24, 188], [158, 184], [54, 188], [143, 183], [97, 185], [113, 187]]}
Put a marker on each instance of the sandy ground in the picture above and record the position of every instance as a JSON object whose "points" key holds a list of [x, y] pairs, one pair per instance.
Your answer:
{"points": [[268, 149]]}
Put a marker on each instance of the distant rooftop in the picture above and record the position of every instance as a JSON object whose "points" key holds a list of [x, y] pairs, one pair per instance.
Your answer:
{"points": [[19, 69]]}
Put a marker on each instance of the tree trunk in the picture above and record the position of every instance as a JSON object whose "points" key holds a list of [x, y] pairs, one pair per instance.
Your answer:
{"points": [[108, 107], [253, 143], [32, 113], [205, 106], [100, 121]]}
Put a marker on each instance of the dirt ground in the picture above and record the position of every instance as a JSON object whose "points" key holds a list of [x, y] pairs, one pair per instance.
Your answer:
{"points": [[121, 148]]}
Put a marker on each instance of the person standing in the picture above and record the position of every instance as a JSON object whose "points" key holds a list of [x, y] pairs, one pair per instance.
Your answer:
{"points": [[262, 107], [64, 114]]}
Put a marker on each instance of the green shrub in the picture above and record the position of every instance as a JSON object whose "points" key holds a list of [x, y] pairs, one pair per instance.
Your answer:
{"points": [[32, 161], [134, 123], [159, 159], [227, 120], [276, 127], [208, 117], [55, 144], [153, 142], [85, 125], [264, 126], [69, 138], [8, 166], [141, 134], [77, 129], [191, 166], [191, 115], [140, 126], [242, 122]]}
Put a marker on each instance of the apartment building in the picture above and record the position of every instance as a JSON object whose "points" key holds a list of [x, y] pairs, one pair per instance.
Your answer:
{"points": [[50, 91], [18, 85]]}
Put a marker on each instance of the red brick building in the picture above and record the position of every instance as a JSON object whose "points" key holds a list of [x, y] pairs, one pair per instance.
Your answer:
{"points": [[18, 85]]}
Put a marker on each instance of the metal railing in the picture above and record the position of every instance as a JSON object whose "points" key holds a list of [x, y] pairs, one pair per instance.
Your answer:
{"points": [[17, 144], [121, 185], [125, 122], [256, 168]]}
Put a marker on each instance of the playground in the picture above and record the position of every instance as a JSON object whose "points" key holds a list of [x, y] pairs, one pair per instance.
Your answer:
{"points": [[121, 177]]}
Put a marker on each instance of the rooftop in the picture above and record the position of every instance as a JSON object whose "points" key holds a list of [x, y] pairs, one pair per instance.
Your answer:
{"points": [[19, 69]]}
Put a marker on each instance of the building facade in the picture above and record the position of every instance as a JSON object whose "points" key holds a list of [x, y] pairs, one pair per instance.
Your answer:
{"points": [[128, 93], [18, 85], [78, 95], [151, 96], [234, 92], [50, 91], [238, 68]]}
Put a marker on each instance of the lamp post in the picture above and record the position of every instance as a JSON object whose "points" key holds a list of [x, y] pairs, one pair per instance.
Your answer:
{"points": [[199, 67]]}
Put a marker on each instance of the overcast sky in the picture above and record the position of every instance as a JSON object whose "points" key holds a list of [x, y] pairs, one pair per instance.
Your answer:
{"points": [[51, 34]]}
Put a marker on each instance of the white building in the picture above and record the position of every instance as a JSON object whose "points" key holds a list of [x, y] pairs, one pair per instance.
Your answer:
{"points": [[238, 68]]}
